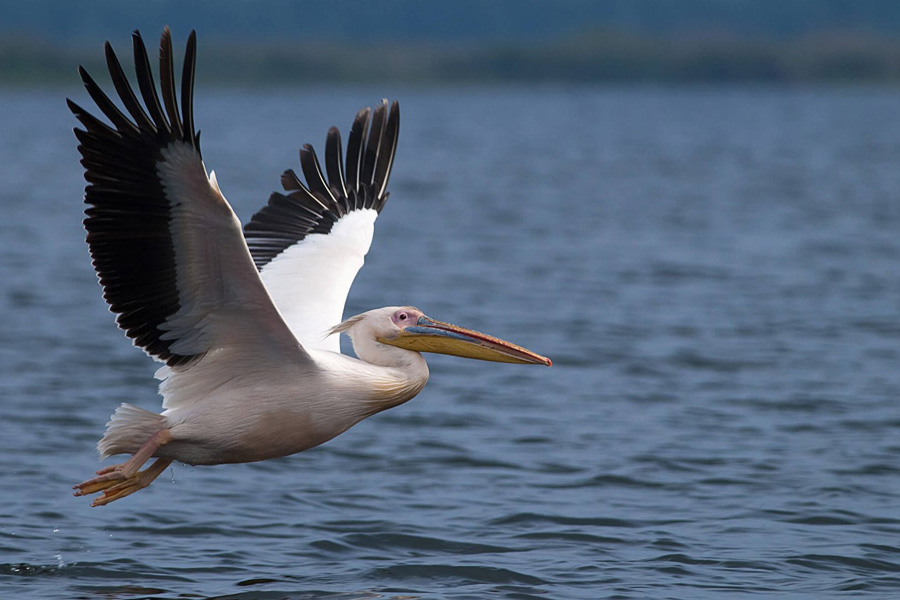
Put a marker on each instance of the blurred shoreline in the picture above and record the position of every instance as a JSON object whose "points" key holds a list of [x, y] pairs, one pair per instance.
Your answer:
{"points": [[594, 56]]}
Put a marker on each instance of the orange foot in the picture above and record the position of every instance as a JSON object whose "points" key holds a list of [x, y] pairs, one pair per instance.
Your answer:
{"points": [[116, 483]]}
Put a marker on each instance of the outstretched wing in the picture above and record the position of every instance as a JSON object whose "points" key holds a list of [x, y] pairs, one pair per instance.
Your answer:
{"points": [[310, 242], [167, 247]]}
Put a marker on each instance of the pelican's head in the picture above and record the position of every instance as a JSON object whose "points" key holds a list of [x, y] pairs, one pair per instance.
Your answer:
{"points": [[409, 328]]}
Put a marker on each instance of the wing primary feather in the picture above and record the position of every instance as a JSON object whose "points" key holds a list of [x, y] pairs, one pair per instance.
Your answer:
{"points": [[356, 180], [290, 181], [106, 106], [355, 145], [187, 89], [309, 162], [376, 130], [386, 155], [311, 202], [167, 83], [146, 84], [123, 88], [130, 212], [334, 164], [95, 126]]}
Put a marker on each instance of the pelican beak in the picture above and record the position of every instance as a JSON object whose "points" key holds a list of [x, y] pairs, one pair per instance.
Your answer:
{"points": [[428, 335]]}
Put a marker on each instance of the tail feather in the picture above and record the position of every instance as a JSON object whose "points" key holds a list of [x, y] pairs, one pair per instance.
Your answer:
{"points": [[128, 428]]}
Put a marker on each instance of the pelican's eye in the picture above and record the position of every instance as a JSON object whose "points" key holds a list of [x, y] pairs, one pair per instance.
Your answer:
{"points": [[402, 318]]}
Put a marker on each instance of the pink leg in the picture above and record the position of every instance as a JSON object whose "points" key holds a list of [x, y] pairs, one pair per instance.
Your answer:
{"points": [[135, 483], [109, 477]]}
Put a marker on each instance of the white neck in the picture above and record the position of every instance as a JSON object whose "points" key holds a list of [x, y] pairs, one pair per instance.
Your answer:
{"points": [[383, 376], [402, 375]]}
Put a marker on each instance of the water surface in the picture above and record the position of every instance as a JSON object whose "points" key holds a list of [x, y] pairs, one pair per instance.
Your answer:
{"points": [[715, 273]]}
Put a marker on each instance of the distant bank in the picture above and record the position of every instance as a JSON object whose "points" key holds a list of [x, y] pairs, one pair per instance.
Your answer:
{"points": [[590, 57]]}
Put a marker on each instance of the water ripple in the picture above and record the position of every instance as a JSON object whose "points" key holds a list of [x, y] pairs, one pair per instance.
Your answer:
{"points": [[457, 574]]}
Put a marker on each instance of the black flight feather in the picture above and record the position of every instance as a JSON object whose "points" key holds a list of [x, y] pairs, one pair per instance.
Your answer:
{"points": [[334, 165], [129, 215], [126, 94], [145, 81], [316, 206], [355, 145], [106, 106], [187, 83], [376, 131], [386, 156], [309, 163], [167, 82]]}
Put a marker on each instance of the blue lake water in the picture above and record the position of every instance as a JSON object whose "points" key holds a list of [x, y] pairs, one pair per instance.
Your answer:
{"points": [[714, 272]]}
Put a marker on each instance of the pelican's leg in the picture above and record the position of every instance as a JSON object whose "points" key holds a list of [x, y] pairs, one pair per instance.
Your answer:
{"points": [[115, 478], [135, 483]]}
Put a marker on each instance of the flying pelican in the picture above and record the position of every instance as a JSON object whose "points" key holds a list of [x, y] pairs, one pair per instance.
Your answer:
{"points": [[244, 320]]}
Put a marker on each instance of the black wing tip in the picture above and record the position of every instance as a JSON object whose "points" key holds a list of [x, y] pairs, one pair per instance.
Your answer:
{"points": [[187, 89], [167, 33], [138, 40], [190, 45], [370, 151], [379, 151], [181, 126], [112, 61], [290, 182], [314, 205], [120, 164], [85, 76], [382, 106]]}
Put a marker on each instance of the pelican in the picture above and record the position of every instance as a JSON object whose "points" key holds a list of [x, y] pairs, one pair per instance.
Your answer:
{"points": [[246, 320]]}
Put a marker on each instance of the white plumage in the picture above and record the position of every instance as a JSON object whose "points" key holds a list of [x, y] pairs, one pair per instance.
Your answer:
{"points": [[326, 263]]}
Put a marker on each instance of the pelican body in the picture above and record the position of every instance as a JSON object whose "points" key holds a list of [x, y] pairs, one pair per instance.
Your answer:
{"points": [[247, 319]]}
